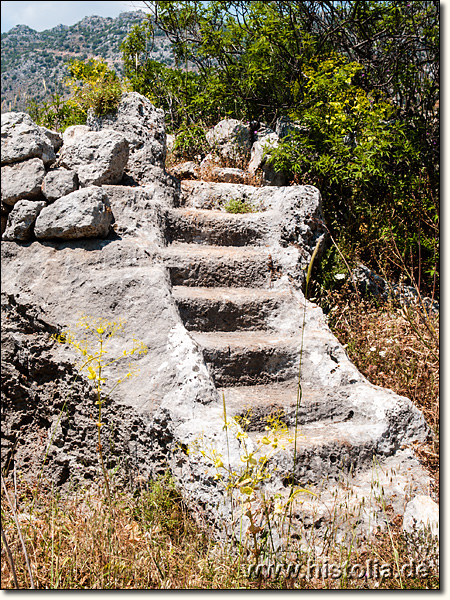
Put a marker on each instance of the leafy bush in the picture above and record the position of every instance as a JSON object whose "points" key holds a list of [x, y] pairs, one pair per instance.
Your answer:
{"points": [[94, 86], [190, 142], [354, 147]]}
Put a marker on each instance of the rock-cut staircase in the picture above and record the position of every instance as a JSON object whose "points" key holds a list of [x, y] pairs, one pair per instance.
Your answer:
{"points": [[250, 321]]}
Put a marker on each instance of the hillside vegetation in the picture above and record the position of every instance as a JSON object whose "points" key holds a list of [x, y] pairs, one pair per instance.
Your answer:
{"points": [[33, 62]]}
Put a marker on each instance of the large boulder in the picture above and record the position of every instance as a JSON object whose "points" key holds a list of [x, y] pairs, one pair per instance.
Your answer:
{"points": [[23, 139], [22, 180], [143, 126], [231, 139], [21, 220], [98, 157], [58, 183], [81, 214]]}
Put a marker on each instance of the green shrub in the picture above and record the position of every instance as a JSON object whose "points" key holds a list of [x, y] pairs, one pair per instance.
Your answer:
{"points": [[236, 205], [190, 142], [94, 86]]}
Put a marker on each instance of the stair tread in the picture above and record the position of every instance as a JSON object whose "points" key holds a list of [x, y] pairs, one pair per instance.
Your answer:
{"points": [[207, 250], [228, 293], [211, 213], [246, 339], [269, 398], [324, 434]]}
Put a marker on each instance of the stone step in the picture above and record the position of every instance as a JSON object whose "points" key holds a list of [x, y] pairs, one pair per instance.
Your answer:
{"points": [[323, 451], [250, 357], [215, 227], [219, 266], [258, 403], [231, 309]]}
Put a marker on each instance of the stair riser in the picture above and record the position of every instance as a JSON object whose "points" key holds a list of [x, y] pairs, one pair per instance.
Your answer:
{"points": [[195, 231], [331, 461], [226, 316], [212, 273], [250, 367]]}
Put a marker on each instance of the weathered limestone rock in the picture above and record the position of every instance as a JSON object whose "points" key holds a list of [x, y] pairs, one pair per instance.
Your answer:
{"points": [[21, 220], [421, 513], [223, 174], [284, 127], [369, 283], [241, 325], [260, 150], [58, 183], [23, 139], [74, 133], [259, 160], [98, 157], [143, 126], [230, 138], [55, 138], [84, 213], [22, 180], [186, 170]]}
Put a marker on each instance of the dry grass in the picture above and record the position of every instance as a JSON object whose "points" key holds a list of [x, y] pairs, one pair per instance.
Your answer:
{"points": [[148, 541], [396, 348]]}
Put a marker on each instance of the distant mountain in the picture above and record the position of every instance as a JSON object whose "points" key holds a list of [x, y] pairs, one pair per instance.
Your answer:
{"points": [[32, 62]]}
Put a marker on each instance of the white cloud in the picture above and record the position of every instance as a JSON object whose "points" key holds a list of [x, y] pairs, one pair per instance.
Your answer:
{"points": [[45, 15]]}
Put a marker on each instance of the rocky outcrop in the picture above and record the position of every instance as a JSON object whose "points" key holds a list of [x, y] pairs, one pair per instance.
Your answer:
{"points": [[97, 157], [240, 153], [47, 424], [81, 214], [230, 138], [218, 300], [23, 139], [143, 126]]}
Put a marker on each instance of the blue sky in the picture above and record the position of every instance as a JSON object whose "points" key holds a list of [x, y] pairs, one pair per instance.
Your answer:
{"points": [[45, 15]]}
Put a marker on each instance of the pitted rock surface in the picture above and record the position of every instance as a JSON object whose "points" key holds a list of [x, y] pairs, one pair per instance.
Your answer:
{"points": [[21, 220], [230, 138], [58, 183], [218, 299]]}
